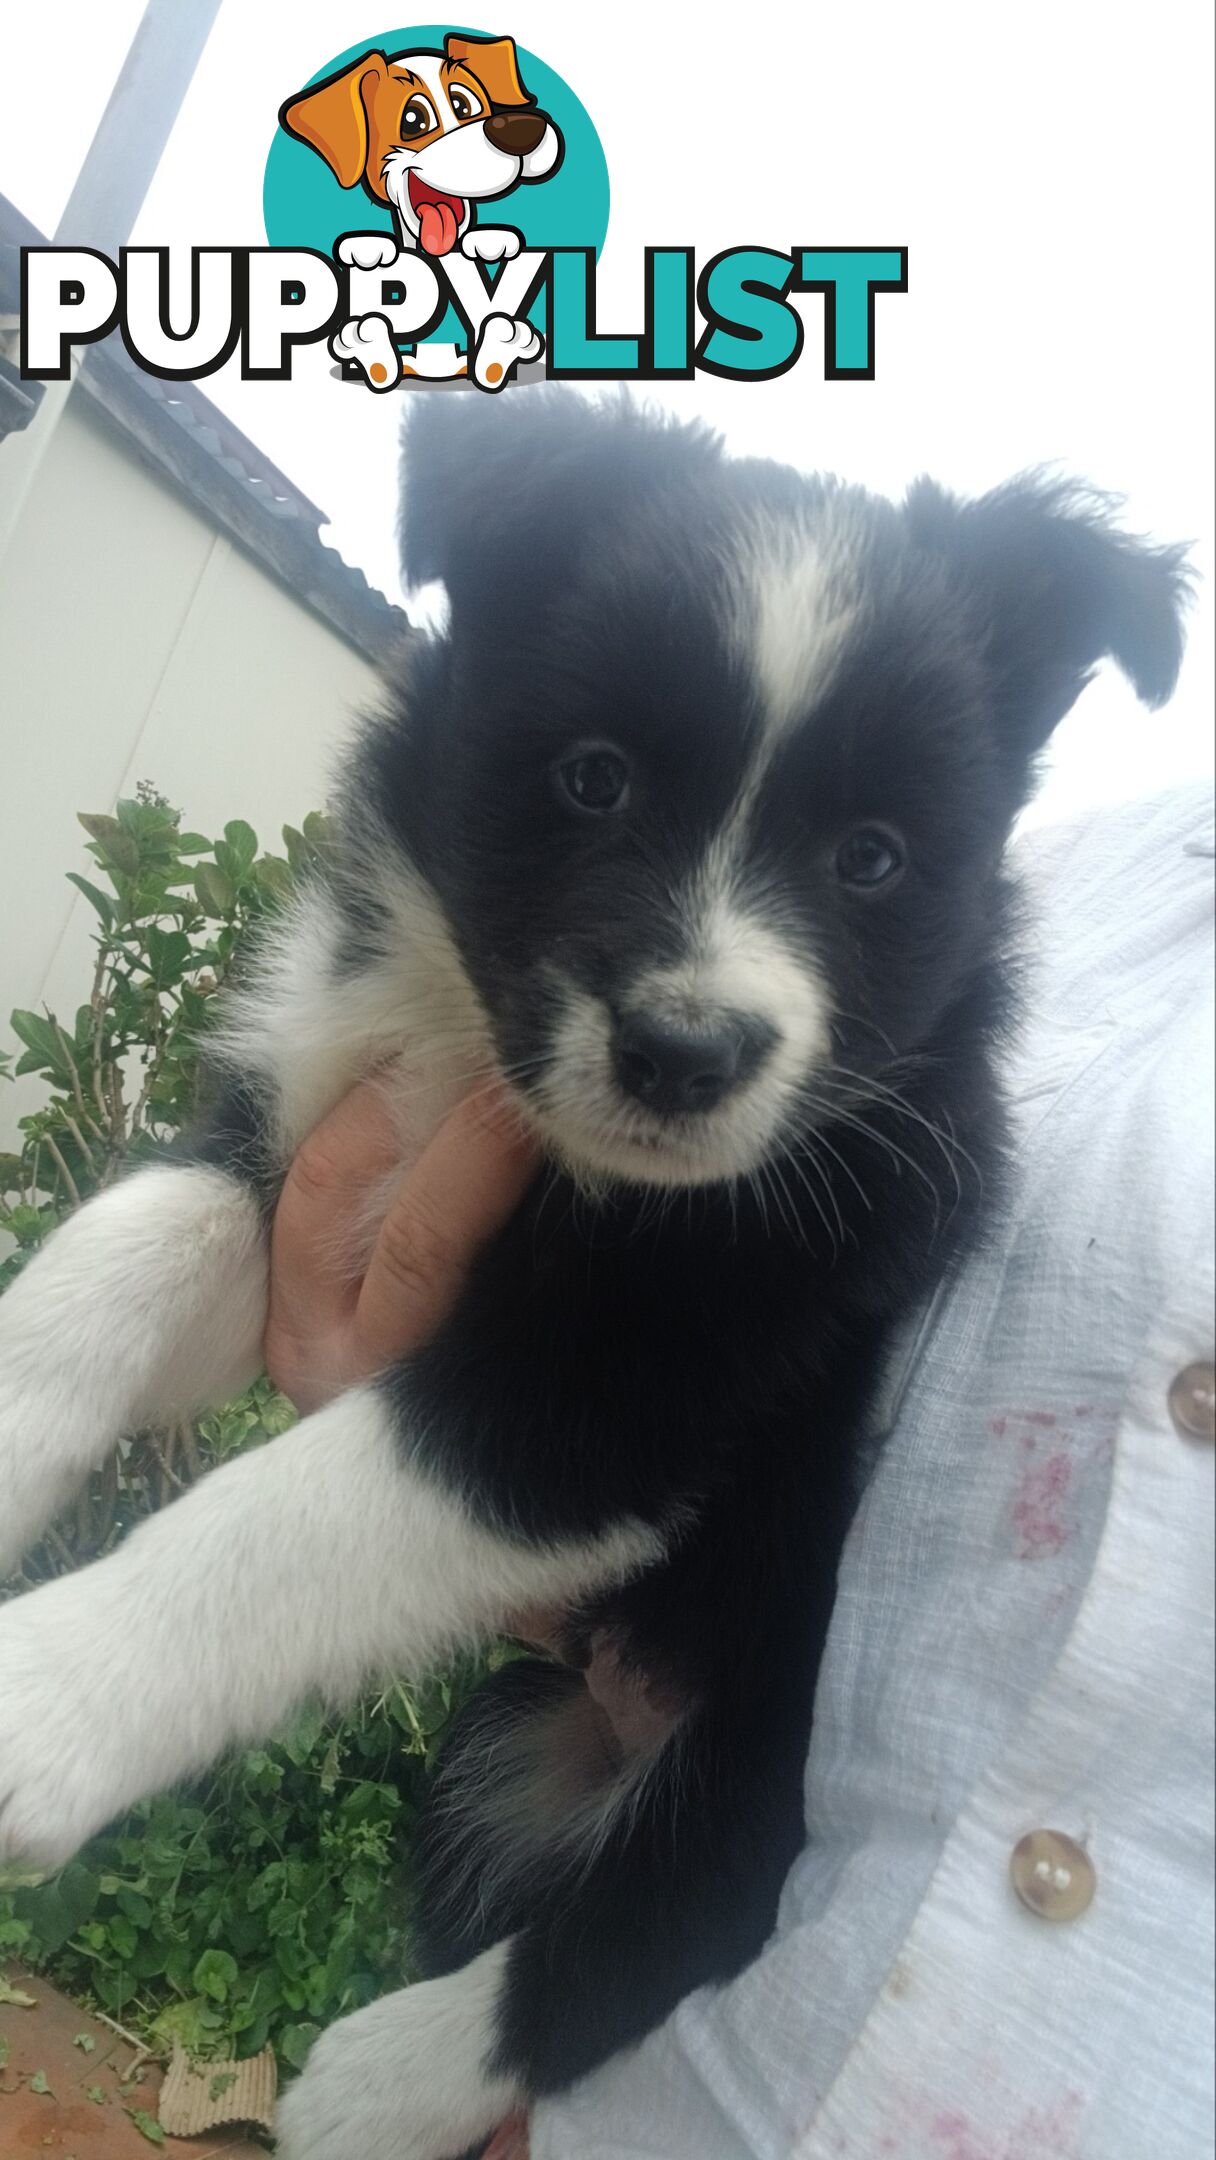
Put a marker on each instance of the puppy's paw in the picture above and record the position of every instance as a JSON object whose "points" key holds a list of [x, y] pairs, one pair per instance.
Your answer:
{"points": [[65, 1764], [401, 2080], [367, 340], [490, 243], [504, 342], [367, 251]]}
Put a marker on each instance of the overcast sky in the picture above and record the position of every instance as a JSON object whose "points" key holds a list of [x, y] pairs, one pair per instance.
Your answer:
{"points": [[1049, 168]]}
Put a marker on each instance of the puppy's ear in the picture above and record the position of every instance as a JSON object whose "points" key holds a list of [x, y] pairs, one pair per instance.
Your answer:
{"points": [[503, 495], [495, 63], [331, 117], [1054, 588]]}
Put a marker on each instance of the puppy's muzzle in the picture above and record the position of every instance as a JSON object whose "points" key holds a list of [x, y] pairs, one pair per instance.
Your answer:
{"points": [[680, 1071], [516, 132]]}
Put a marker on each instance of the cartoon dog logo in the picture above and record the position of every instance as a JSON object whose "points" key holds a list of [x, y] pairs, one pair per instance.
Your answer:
{"points": [[431, 134]]}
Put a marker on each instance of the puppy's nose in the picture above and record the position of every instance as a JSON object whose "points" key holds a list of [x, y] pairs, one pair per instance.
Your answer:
{"points": [[681, 1070], [515, 132]]}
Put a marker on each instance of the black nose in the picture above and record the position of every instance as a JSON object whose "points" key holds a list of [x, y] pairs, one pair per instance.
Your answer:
{"points": [[674, 1069], [515, 132]]}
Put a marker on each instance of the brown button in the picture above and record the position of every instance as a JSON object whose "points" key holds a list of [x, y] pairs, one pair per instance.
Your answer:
{"points": [[1052, 1874], [1193, 1402]]}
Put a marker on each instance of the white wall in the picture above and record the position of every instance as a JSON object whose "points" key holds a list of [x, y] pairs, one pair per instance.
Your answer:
{"points": [[137, 643]]}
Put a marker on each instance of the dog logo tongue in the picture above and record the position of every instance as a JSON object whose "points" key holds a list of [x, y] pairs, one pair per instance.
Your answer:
{"points": [[438, 225]]}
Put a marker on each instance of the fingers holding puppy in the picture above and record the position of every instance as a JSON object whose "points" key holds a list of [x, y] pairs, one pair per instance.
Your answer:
{"points": [[327, 1331]]}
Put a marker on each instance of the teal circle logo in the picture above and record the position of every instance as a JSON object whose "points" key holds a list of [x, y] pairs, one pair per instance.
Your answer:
{"points": [[304, 203]]}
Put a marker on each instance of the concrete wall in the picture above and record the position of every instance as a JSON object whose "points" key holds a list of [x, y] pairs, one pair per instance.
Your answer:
{"points": [[137, 643]]}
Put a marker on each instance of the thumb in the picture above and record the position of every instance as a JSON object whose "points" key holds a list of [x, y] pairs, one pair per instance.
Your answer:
{"points": [[464, 1188]]}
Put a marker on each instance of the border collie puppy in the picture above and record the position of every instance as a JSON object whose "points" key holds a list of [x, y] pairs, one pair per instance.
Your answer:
{"points": [[692, 824]]}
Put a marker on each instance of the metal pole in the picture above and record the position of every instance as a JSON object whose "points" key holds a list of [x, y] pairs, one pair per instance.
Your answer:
{"points": [[110, 187], [131, 135]]}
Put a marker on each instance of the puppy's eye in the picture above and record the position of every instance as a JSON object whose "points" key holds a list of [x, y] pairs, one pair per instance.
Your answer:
{"points": [[870, 856], [417, 119], [464, 104], [595, 778]]}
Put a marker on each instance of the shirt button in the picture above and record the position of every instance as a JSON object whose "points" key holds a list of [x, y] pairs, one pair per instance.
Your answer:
{"points": [[1052, 1874], [1193, 1402]]}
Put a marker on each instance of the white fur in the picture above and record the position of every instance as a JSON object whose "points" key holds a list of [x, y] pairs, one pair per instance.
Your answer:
{"points": [[309, 1028], [315, 1564], [149, 1303], [405, 2079], [792, 612], [737, 962]]}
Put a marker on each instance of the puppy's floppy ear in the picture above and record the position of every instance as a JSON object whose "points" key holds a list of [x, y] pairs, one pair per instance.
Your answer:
{"points": [[1054, 588], [331, 117], [502, 495], [495, 63]]}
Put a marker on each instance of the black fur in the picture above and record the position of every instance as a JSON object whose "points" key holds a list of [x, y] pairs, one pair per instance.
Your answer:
{"points": [[707, 1360]]}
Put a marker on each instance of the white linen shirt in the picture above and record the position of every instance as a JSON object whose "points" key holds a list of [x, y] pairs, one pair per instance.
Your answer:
{"points": [[1023, 1637]]}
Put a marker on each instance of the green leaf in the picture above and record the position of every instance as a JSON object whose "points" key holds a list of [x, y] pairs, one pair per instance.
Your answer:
{"points": [[146, 2125], [45, 1051], [274, 877], [96, 2093], [111, 843], [133, 1905], [243, 841], [122, 1936], [222, 2082], [214, 889], [216, 1974], [193, 843], [95, 897], [3, 2052], [295, 2042], [60, 1907], [169, 952], [38, 2084], [85, 2042]]}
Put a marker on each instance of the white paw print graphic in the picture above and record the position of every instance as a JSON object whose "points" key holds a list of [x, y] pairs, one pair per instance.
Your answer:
{"points": [[367, 250], [504, 342], [368, 342], [491, 243]]}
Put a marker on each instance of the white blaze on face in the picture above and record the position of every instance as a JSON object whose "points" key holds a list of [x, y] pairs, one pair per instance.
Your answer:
{"points": [[792, 608]]}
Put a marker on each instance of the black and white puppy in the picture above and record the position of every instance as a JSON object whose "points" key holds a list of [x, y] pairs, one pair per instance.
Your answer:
{"points": [[693, 824]]}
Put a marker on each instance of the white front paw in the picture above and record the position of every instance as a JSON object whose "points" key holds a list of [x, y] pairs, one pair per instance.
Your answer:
{"points": [[490, 243], [404, 2079], [65, 1764], [367, 251], [504, 342], [368, 341], [353, 2097]]}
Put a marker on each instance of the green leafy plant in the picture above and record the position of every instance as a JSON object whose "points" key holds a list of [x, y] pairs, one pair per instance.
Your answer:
{"points": [[275, 1894]]}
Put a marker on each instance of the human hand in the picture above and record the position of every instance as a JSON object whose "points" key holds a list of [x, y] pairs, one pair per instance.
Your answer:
{"points": [[326, 1331]]}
